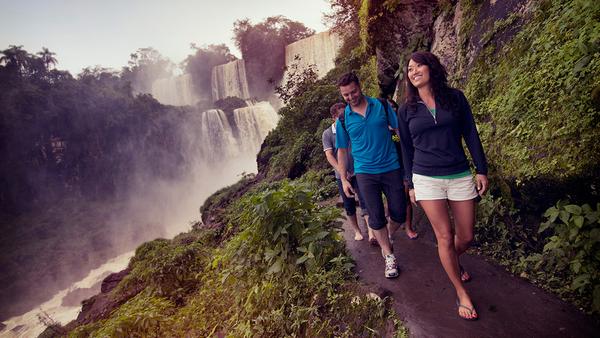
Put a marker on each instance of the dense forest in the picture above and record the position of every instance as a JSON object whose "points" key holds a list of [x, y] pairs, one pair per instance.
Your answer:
{"points": [[268, 258]]}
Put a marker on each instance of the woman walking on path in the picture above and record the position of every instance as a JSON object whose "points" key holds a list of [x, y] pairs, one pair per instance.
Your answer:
{"points": [[433, 122]]}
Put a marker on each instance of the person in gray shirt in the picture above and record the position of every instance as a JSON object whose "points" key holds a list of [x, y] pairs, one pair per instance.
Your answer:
{"points": [[330, 150]]}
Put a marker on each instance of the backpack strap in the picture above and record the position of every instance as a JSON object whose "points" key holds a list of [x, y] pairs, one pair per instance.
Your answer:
{"points": [[386, 108], [342, 119]]}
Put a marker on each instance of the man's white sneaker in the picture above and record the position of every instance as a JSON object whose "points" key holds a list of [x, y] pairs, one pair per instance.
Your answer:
{"points": [[391, 268]]}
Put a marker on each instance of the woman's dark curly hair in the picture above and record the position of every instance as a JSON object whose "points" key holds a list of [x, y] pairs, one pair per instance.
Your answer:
{"points": [[438, 79]]}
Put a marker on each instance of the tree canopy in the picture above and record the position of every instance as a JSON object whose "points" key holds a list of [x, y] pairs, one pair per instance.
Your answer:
{"points": [[145, 66], [263, 49]]}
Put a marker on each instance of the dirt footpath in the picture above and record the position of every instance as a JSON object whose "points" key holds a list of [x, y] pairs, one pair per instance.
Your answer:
{"points": [[425, 300]]}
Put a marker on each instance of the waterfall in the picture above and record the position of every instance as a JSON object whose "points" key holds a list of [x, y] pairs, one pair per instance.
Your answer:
{"points": [[254, 123], [216, 141], [29, 325], [212, 156], [319, 50], [176, 91], [230, 80]]}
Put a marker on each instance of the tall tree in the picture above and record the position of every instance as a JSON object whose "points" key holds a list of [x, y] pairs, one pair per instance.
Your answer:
{"points": [[47, 57], [343, 18], [15, 58], [146, 66]]}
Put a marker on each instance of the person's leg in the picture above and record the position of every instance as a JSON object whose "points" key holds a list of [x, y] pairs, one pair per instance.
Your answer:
{"points": [[350, 207], [437, 213], [363, 208], [396, 200], [461, 194], [410, 232], [354, 223], [371, 189], [370, 232], [464, 220]]}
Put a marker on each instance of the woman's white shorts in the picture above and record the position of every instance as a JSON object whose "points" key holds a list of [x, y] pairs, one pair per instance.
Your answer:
{"points": [[453, 189]]}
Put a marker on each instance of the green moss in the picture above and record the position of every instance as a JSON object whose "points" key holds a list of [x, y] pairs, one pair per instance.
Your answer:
{"points": [[470, 9], [534, 102], [368, 76], [363, 20]]}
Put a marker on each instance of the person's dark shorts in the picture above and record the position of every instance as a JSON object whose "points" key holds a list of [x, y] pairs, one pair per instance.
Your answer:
{"points": [[391, 184], [349, 203]]}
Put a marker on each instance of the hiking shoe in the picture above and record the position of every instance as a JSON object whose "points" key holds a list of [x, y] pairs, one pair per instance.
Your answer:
{"points": [[391, 267]]}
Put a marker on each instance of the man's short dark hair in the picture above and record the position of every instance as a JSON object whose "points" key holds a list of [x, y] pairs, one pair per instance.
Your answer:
{"points": [[347, 79], [335, 107]]}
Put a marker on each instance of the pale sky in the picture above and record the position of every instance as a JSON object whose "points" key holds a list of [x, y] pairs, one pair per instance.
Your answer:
{"points": [[87, 33]]}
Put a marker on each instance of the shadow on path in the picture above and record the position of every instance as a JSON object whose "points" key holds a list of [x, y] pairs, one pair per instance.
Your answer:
{"points": [[425, 300]]}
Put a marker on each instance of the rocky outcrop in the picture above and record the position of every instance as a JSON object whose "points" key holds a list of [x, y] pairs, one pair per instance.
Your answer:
{"points": [[112, 280], [394, 34], [101, 305]]}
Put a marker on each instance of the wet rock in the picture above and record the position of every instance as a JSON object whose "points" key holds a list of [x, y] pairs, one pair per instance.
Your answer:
{"points": [[444, 45], [112, 280]]}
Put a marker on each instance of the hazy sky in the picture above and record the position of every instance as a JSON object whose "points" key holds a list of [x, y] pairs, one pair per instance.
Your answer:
{"points": [[87, 33]]}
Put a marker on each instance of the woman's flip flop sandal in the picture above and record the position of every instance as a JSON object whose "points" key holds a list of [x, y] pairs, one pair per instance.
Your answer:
{"points": [[471, 312]]}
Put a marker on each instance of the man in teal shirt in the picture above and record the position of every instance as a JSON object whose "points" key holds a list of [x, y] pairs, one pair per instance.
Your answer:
{"points": [[375, 162]]}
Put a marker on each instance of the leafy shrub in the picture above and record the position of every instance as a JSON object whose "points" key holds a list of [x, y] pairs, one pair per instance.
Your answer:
{"points": [[285, 230], [143, 316], [571, 257], [168, 269], [321, 182]]}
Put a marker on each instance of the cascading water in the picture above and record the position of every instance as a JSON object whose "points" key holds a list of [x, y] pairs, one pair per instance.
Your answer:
{"points": [[254, 123], [212, 156], [230, 80], [30, 323], [176, 91], [319, 50]]}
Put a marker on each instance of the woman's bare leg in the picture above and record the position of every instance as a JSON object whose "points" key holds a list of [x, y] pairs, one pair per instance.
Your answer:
{"points": [[464, 221], [437, 213]]}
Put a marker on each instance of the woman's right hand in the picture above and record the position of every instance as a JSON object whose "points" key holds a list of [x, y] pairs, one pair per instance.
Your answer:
{"points": [[413, 198]]}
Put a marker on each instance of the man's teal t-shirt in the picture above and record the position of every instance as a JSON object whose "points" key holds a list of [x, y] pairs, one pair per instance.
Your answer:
{"points": [[372, 147]]}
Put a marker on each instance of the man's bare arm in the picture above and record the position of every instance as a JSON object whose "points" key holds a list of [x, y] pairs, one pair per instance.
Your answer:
{"points": [[342, 160], [331, 159]]}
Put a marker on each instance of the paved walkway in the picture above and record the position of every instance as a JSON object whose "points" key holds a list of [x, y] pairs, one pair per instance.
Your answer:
{"points": [[425, 300]]}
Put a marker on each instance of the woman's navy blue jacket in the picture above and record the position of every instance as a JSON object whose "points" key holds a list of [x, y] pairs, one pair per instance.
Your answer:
{"points": [[432, 146]]}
